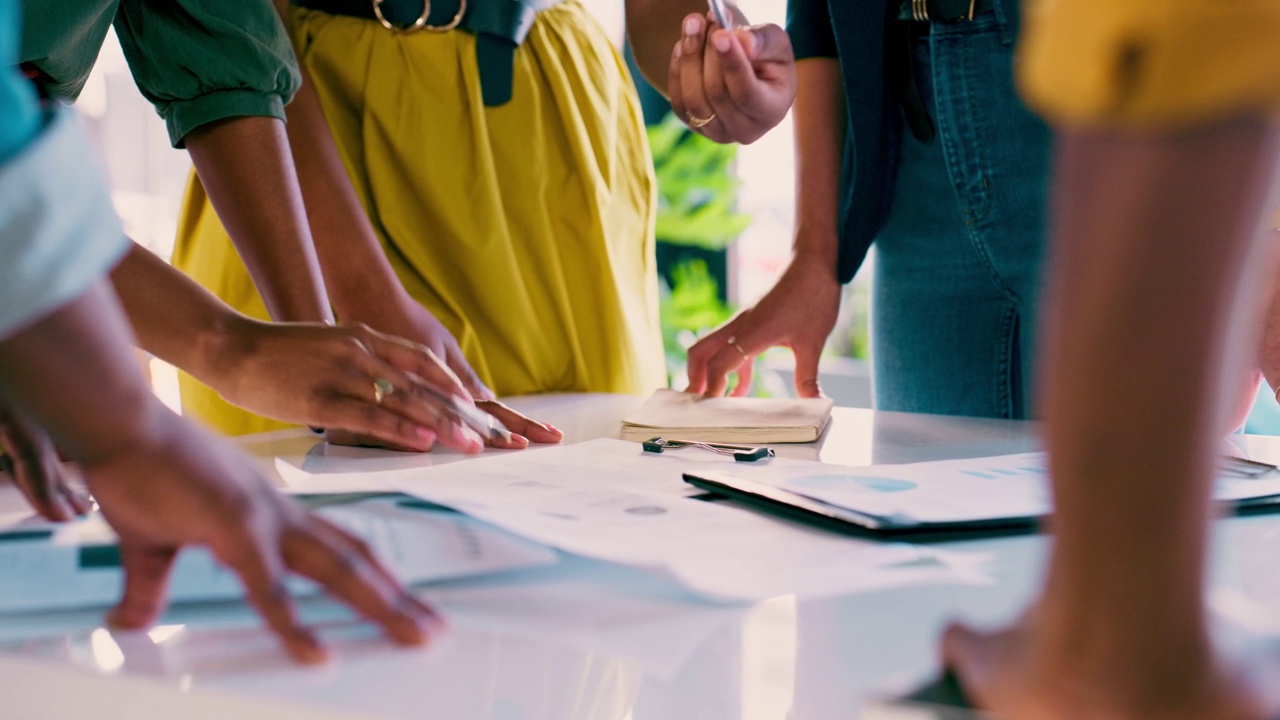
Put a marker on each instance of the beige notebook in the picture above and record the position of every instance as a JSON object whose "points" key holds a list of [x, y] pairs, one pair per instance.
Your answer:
{"points": [[681, 416]]}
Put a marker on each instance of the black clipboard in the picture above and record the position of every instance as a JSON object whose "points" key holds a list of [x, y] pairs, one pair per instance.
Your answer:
{"points": [[836, 518]]}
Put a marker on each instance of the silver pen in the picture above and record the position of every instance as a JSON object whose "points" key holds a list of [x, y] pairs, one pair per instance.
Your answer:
{"points": [[720, 13]]}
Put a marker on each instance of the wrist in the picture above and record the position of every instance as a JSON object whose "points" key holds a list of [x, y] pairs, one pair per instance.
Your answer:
{"points": [[220, 348], [815, 265], [816, 246]]}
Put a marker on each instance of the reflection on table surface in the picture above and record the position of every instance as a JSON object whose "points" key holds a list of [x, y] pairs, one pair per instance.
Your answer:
{"points": [[581, 639]]}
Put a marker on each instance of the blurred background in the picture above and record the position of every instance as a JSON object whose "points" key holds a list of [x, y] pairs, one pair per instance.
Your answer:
{"points": [[724, 224]]}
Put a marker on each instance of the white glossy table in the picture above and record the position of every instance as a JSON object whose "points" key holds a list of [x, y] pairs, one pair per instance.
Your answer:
{"points": [[581, 640]]}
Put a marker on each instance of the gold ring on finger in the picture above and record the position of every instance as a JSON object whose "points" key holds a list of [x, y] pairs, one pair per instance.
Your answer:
{"points": [[733, 343], [382, 388], [696, 122]]}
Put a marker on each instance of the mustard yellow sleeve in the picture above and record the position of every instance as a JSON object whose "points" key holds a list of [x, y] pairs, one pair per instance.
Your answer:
{"points": [[1145, 63]]}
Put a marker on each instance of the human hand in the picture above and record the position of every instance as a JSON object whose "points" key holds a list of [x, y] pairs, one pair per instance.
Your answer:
{"points": [[731, 85], [409, 320], [184, 487], [324, 376], [1012, 674], [521, 429], [27, 454], [798, 312]]}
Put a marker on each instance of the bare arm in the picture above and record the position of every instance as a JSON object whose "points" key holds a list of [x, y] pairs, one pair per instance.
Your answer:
{"points": [[1153, 309], [801, 308], [247, 170], [821, 121], [310, 374]]}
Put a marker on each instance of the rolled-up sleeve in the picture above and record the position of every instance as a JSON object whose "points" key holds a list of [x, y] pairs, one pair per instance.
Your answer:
{"points": [[200, 61], [58, 232], [1143, 63], [809, 25]]}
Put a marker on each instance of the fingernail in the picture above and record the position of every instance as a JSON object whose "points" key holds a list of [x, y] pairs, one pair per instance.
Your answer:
{"points": [[467, 439], [679, 52], [720, 41], [426, 434], [692, 25]]}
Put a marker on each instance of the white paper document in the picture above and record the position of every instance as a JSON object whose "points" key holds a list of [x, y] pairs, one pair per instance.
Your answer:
{"points": [[77, 565], [607, 499]]}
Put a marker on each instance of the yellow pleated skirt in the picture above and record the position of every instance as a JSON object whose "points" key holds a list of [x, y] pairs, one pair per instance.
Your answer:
{"points": [[527, 228]]}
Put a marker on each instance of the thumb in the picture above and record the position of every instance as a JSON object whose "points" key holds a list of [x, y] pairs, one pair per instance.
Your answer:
{"points": [[146, 580], [766, 43], [806, 376]]}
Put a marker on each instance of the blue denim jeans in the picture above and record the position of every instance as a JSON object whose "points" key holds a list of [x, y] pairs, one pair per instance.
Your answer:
{"points": [[957, 265]]}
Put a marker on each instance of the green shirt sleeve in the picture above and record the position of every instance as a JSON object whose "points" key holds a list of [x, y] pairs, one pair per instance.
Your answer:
{"points": [[200, 61]]}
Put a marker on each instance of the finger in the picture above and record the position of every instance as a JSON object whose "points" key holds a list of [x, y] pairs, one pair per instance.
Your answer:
{"points": [[766, 44], [700, 354], [713, 79], [36, 471], [675, 89], [692, 56], [345, 567], [415, 359], [746, 371], [363, 417], [726, 361], [737, 80], [515, 422], [146, 581], [806, 375], [261, 568]]}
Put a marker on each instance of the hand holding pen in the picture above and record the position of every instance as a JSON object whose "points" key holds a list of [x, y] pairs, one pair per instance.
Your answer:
{"points": [[728, 81]]}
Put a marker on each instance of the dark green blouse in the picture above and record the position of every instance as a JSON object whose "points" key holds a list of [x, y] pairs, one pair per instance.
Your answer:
{"points": [[197, 61]]}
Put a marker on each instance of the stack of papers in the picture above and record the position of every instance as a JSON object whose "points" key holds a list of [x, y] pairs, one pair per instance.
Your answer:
{"points": [[682, 416], [609, 500], [77, 564]]}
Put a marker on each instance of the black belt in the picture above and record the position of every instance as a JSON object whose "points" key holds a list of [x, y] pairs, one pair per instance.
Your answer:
{"points": [[912, 21], [499, 26]]}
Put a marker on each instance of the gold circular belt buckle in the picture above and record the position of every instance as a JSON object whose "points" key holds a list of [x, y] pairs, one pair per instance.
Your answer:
{"points": [[421, 22]]}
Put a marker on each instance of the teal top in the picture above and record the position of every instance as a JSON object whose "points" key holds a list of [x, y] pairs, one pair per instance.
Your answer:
{"points": [[19, 116], [197, 61], [58, 233]]}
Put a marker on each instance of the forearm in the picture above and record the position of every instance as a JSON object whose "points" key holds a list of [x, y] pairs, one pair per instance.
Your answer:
{"points": [[1149, 313], [653, 28], [355, 267], [820, 126], [173, 317], [356, 270], [246, 168], [73, 374]]}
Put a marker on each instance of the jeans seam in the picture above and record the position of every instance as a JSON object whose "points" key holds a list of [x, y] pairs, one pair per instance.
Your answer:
{"points": [[1004, 363], [974, 220]]}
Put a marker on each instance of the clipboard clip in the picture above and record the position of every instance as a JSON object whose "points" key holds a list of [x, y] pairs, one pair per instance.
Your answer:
{"points": [[740, 453]]}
